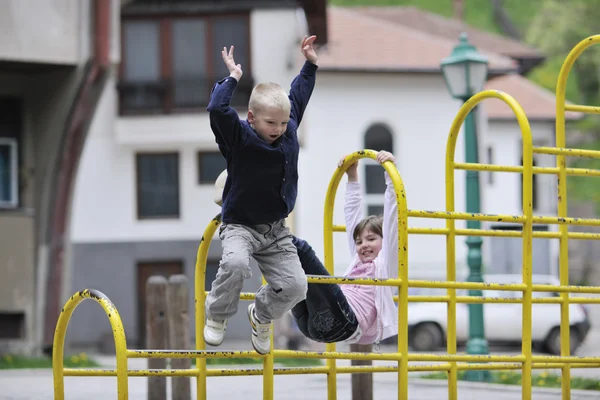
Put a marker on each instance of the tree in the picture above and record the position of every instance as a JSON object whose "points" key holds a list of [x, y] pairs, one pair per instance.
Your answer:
{"points": [[558, 27]]}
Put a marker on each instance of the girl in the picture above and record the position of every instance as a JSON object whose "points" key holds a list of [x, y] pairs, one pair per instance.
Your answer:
{"points": [[362, 314]]}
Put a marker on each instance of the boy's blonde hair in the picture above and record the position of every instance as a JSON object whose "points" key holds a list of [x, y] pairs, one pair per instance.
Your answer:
{"points": [[373, 223], [268, 95]]}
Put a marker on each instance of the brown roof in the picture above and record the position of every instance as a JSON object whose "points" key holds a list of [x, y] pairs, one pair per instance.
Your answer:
{"points": [[437, 25], [360, 42], [537, 102]]}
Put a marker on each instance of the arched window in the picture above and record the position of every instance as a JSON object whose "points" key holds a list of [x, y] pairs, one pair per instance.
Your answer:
{"points": [[378, 137]]}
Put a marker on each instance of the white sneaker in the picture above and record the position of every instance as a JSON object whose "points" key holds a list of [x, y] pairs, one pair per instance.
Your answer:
{"points": [[261, 333], [214, 331]]}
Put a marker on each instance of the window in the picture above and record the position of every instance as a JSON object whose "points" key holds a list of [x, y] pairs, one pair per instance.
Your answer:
{"points": [[378, 137], [534, 189], [8, 173], [11, 114], [171, 64], [12, 325], [158, 185], [490, 160], [210, 166]]}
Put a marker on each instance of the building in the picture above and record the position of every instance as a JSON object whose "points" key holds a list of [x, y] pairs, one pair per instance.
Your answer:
{"points": [[54, 59], [123, 174]]}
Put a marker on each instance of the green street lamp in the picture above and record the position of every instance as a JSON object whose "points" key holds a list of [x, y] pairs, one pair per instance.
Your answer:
{"points": [[465, 73]]}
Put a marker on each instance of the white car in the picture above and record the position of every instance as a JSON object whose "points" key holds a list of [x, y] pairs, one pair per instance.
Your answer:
{"points": [[427, 322]]}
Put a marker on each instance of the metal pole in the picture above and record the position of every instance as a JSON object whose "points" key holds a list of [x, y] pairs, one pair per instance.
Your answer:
{"points": [[477, 343]]}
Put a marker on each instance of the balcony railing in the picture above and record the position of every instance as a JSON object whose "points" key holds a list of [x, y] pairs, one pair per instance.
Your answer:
{"points": [[175, 96]]}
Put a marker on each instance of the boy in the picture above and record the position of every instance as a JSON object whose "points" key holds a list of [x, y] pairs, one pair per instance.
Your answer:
{"points": [[260, 192]]}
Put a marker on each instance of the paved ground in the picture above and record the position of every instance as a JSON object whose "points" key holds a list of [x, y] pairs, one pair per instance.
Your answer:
{"points": [[38, 384]]}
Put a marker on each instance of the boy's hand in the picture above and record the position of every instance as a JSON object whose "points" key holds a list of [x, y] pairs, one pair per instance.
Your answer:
{"points": [[384, 156], [352, 170], [235, 70], [308, 50]]}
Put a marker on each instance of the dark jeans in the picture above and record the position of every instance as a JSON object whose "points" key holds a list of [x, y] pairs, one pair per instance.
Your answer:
{"points": [[325, 315]]}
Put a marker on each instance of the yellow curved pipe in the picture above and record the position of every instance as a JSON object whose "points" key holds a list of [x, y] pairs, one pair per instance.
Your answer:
{"points": [[61, 331], [527, 230], [563, 230], [199, 299], [402, 264]]}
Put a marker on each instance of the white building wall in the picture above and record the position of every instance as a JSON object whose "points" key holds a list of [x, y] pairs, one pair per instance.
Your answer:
{"points": [[419, 111], [50, 31], [503, 194], [104, 203], [417, 108]]}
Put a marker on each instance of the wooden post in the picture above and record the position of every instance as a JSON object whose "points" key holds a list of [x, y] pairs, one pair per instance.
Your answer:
{"points": [[362, 384], [157, 331], [179, 333]]}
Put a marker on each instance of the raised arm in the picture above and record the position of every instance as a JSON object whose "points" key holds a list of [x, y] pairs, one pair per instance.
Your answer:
{"points": [[389, 247], [353, 212], [302, 86], [224, 120]]}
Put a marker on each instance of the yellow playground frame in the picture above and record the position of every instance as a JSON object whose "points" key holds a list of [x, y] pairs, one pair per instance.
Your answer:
{"points": [[450, 362]]}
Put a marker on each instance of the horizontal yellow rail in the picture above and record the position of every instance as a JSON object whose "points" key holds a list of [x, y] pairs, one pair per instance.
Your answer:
{"points": [[519, 169], [561, 151], [493, 232], [583, 109], [192, 372]]}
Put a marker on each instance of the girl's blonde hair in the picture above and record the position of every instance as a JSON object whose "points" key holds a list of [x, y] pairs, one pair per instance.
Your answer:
{"points": [[268, 95], [373, 223]]}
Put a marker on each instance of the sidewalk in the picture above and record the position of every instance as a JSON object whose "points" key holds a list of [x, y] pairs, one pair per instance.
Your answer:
{"points": [[38, 385]]}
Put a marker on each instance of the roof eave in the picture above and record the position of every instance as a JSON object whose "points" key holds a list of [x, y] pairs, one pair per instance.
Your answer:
{"points": [[492, 73]]}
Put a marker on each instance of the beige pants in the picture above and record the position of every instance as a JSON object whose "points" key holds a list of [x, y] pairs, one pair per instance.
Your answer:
{"points": [[277, 257]]}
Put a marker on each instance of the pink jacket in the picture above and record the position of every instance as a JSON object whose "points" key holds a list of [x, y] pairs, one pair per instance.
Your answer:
{"points": [[386, 263]]}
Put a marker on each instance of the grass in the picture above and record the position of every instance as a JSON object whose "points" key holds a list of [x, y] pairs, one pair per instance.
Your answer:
{"points": [[287, 362], [544, 379], [13, 361]]}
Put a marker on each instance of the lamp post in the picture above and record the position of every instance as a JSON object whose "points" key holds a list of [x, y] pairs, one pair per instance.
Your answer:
{"points": [[465, 73]]}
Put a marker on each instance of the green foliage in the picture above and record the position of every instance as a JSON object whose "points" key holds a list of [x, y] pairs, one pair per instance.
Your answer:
{"points": [[12, 361], [543, 379], [287, 362], [557, 27]]}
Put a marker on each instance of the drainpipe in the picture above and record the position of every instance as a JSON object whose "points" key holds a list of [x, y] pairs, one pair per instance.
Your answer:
{"points": [[82, 111]]}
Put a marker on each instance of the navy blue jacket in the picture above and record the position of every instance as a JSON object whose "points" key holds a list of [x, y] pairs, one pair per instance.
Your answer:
{"points": [[262, 178]]}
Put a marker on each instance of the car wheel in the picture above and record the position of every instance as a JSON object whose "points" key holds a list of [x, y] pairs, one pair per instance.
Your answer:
{"points": [[427, 336], [552, 342]]}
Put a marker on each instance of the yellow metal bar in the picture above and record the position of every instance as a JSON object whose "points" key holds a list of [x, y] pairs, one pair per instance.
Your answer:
{"points": [[560, 150], [465, 216], [81, 372], [526, 219], [198, 354], [61, 331], [562, 195], [519, 169], [502, 168], [583, 109], [199, 299], [451, 264], [499, 233], [503, 218], [527, 246], [328, 229], [268, 368]]}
